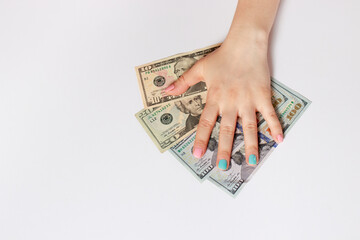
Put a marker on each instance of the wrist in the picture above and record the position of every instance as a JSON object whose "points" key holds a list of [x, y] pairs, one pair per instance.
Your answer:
{"points": [[247, 36]]}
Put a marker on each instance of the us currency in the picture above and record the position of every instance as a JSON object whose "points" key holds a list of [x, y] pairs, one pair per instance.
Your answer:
{"points": [[288, 109], [155, 76], [239, 172], [168, 130], [168, 124], [171, 122], [286, 103], [200, 168]]}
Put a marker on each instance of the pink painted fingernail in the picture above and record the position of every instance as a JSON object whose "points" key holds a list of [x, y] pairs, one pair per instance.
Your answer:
{"points": [[169, 88], [280, 138], [197, 152]]}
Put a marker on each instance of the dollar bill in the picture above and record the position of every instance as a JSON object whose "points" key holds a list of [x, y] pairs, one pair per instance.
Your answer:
{"points": [[154, 77], [200, 168], [168, 124], [289, 106], [278, 99], [239, 172], [171, 121], [288, 111]]}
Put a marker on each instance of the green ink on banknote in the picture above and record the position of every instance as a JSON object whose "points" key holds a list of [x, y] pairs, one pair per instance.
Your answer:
{"points": [[186, 144], [159, 110], [288, 107]]}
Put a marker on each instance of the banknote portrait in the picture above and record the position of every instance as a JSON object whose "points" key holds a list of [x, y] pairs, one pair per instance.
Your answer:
{"points": [[192, 106], [238, 157], [264, 148], [181, 66]]}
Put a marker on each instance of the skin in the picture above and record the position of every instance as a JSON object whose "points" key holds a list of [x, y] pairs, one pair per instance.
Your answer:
{"points": [[182, 66], [238, 80]]}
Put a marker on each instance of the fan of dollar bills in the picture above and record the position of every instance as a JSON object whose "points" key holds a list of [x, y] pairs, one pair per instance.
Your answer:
{"points": [[167, 122]]}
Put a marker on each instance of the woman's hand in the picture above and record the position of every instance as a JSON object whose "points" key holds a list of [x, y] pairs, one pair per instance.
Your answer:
{"points": [[238, 82]]}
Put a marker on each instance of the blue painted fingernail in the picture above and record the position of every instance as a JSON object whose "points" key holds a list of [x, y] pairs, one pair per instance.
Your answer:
{"points": [[222, 164], [252, 159]]}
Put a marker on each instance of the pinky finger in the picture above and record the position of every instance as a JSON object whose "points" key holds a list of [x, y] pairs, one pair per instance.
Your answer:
{"points": [[272, 120]]}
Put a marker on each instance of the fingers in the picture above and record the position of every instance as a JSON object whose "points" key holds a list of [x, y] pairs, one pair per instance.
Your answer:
{"points": [[204, 129], [250, 137], [226, 138], [272, 120], [189, 78]]}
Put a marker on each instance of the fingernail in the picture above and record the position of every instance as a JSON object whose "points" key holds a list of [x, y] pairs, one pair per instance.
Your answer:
{"points": [[222, 164], [280, 138], [197, 152], [252, 159], [169, 88]]}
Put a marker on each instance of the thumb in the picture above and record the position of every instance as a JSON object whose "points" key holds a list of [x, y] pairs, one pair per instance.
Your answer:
{"points": [[189, 78]]}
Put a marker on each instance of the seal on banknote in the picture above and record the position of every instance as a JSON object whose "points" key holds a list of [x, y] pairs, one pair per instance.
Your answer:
{"points": [[166, 118], [159, 81]]}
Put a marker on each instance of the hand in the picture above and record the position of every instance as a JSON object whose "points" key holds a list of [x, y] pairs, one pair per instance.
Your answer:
{"points": [[238, 82]]}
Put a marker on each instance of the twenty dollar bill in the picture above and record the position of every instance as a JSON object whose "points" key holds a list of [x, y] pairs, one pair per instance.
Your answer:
{"points": [[168, 124]]}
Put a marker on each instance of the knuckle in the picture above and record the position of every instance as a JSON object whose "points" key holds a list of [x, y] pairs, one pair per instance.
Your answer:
{"points": [[205, 123], [211, 105], [214, 92], [250, 126], [183, 81], [232, 93], [227, 130], [272, 115], [202, 143]]}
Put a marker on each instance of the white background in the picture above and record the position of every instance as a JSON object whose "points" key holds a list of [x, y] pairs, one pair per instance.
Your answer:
{"points": [[75, 163]]}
